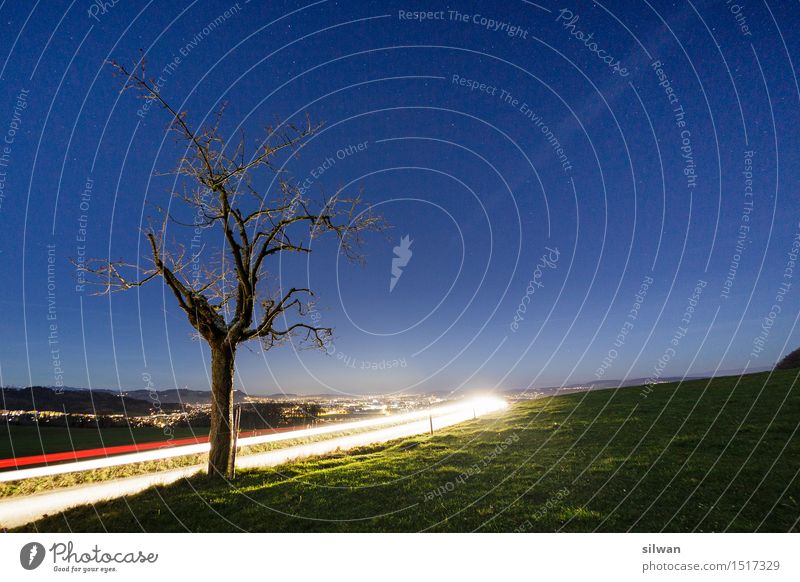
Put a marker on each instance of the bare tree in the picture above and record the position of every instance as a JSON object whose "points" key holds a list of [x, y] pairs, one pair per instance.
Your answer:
{"points": [[231, 301]]}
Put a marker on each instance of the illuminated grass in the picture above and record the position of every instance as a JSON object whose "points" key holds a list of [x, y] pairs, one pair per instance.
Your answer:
{"points": [[41, 484], [607, 460]]}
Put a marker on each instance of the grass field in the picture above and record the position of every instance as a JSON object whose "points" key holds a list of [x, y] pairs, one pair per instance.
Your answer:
{"points": [[703, 456], [22, 487], [30, 440]]}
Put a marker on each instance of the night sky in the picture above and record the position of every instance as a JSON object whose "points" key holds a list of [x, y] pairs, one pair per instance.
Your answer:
{"points": [[590, 190]]}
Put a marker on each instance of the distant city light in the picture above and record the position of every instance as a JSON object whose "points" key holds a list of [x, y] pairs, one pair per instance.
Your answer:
{"points": [[439, 416]]}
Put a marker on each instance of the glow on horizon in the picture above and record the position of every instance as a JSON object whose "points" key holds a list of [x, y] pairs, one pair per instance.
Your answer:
{"points": [[444, 415]]}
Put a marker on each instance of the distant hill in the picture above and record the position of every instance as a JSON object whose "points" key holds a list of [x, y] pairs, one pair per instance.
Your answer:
{"points": [[175, 396], [604, 384], [108, 401], [104, 401], [42, 399]]}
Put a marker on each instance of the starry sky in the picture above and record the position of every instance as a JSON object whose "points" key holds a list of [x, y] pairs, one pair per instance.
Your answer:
{"points": [[591, 191]]}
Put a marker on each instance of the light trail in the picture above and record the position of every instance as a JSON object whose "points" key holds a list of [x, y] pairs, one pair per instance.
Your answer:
{"points": [[476, 406], [19, 510], [74, 455]]}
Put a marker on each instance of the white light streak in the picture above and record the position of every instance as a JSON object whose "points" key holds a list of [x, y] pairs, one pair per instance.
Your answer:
{"points": [[19, 510]]}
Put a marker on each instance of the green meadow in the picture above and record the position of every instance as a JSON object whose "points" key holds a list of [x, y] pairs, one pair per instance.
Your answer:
{"points": [[718, 455]]}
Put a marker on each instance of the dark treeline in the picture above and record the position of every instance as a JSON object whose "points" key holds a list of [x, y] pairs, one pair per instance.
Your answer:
{"points": [[258, 415], [790, 361]]}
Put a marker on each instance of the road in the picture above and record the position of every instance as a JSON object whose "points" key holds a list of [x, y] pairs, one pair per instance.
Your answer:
{"points": [[18, 510]]}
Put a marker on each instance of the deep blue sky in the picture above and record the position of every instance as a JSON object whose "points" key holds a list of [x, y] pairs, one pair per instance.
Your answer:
{"points": [[467, 174]]}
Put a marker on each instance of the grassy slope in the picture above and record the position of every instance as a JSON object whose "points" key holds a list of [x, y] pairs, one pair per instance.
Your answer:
{"points": [[607, 460]]}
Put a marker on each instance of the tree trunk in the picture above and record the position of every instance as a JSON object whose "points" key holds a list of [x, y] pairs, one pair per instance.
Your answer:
{"points": [[220, 457]]}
